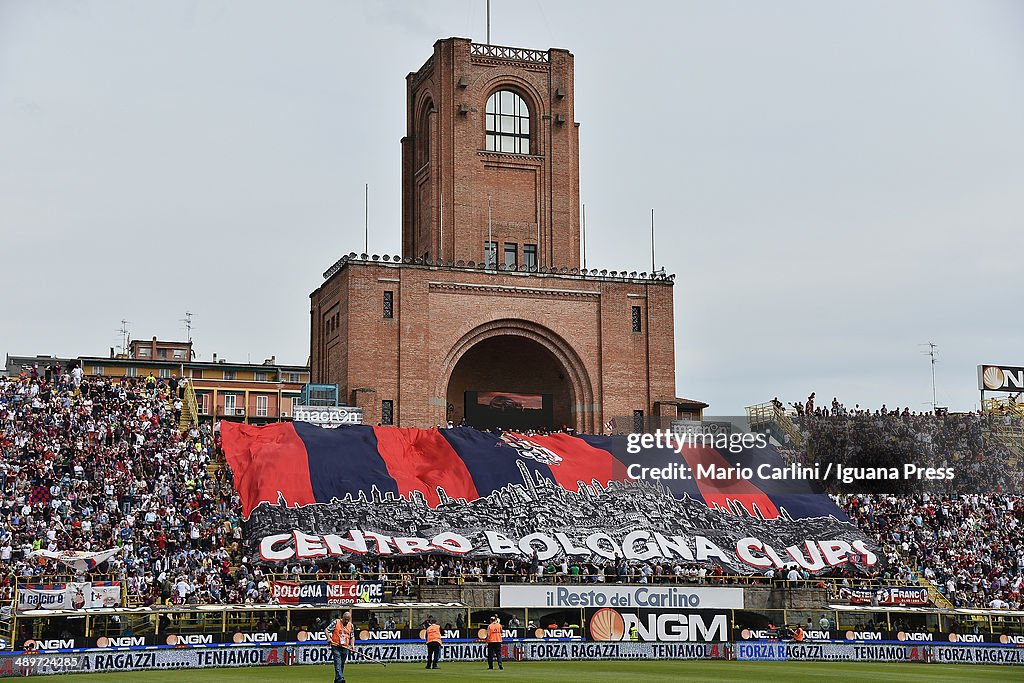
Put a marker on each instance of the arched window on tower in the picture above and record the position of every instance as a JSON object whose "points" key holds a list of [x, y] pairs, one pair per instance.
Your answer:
{"points": [[507, 123], [423, 135]]}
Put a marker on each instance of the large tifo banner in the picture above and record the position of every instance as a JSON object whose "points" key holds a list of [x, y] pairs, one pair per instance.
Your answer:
{"points": [[69, 596], [308, 492]]}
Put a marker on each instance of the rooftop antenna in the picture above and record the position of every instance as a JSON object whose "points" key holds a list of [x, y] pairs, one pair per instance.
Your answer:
{"points": [[652, 242], [488, 22], [584, 236], [932, 349], [124, 336], [188, 325]]}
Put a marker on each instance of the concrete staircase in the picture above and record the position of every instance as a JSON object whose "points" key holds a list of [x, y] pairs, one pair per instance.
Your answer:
{"points": [[937, 597], [189, 409]]}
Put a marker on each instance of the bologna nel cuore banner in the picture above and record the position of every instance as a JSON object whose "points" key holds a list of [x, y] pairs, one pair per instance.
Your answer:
{"points": [[308, 493]]}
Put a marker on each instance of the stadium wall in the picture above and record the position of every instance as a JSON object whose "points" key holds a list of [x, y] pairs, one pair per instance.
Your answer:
{"points": [[440, 314], [754, 597]]}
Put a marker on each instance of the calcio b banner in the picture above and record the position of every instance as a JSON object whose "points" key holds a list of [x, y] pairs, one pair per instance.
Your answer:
{"points": [[309, 492]]}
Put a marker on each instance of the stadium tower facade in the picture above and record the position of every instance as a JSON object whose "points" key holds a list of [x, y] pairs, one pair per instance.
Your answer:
{"points": [[487, 315]]}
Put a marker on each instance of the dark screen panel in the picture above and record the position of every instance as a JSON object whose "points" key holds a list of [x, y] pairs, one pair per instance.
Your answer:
{"points": [[509, 410]]}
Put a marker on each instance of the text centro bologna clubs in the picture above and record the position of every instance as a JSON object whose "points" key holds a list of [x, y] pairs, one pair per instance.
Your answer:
{"points": [[637, 545]]}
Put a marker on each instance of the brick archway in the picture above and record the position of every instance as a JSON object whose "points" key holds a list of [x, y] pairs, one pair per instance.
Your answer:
{"points": [[582, 404]]}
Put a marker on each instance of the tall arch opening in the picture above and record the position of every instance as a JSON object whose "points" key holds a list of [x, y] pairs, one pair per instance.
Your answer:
{"points": [[515, 356], [423, 132], [510, 382]]}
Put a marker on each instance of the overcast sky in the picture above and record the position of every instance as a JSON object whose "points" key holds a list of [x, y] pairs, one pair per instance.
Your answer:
{"points": [[835, 183]]}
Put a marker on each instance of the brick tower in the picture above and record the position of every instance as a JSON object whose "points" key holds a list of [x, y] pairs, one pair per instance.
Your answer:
{"points": [[487, 314], [513, 181]]}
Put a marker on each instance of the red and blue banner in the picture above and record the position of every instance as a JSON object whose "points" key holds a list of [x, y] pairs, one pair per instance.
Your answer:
{"points": [[309, 492]]}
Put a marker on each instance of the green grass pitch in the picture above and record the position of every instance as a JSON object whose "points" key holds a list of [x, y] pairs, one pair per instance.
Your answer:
{"points": [[575, 672]]}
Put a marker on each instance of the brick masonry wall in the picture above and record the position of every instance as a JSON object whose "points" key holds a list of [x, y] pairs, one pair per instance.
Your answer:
{"points": [[449, 190], [592, 360], [441, 313]]}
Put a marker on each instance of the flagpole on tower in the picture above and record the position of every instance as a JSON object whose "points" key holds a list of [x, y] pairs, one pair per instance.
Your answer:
{"points": [[584, 216], [652, 242], [488, 22]]}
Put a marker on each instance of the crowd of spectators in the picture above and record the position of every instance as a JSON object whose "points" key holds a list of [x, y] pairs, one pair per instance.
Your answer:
{"points": [[91, 463], [965, 535], [530, 431], [436, 571], [859, 437], [971, 547], [88, 463]]}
